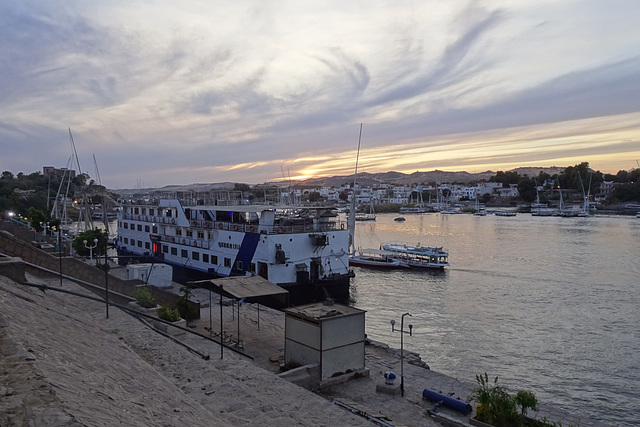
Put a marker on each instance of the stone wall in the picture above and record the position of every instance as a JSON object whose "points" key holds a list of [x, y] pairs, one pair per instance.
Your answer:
{"points": [[12, 246], [13, 268]]}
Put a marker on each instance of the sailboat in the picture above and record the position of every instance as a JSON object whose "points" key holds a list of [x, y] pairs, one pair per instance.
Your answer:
{"points": [[419, 207], [371, 216], [84, 217], [540, 209], [371, 258], [480, 211]]}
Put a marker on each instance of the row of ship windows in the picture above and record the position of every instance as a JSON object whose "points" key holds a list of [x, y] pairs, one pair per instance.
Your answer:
{"points": [[147, 229], [195, 255], [149, 211]]}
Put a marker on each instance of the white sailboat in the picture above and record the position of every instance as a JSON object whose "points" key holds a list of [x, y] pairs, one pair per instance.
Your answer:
{"points": [[371, 216], [371, 258], [480, 211]]}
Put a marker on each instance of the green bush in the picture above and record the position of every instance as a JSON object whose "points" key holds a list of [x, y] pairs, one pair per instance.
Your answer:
{"points": [[497, 407], [144, 298], [168, 314]]}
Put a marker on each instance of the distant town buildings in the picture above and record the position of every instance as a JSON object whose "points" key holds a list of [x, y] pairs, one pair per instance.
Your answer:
{"points": [[404, 194]]}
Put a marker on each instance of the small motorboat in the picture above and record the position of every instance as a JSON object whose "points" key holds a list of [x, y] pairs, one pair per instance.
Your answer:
{"points": [[399, 219]]}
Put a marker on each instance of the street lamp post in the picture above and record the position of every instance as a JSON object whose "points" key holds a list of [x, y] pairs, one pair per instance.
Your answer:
{"points": [[95, 243], [402, 332]]}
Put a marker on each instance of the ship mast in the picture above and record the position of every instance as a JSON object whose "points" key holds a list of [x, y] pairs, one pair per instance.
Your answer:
{"points": [[351, 221]]}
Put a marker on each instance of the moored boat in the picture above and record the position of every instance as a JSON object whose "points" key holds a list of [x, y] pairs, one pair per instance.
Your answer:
{"points": [[303, 251], [375, 258], [504, 213], [418, 256]]}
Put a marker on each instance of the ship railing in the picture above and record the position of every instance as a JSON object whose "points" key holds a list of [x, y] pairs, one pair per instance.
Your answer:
{"points": [[257, 228], [187, 241], [149, 218]]}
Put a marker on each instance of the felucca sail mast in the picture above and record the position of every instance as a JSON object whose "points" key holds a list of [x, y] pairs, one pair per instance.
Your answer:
{"points": [[351, 220], [84, 215]]}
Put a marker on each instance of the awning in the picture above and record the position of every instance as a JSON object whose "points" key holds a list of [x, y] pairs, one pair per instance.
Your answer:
{"points": [[244, 287]]}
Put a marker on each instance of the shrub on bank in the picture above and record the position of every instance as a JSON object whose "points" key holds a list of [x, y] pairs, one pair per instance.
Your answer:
{"points": [[144, 298], [497, 407], [168, 314]]}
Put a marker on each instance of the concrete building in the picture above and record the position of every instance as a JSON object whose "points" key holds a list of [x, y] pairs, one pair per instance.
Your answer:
{"points": [[330, 336], [154, 274]]}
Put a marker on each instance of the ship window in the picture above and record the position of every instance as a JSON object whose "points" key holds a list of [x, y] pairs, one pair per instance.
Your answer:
{"points": [[151, 211], [184, 253], [179, 232], [155, 229], [146, 228], [165, 249], [195, 256], [205, 257], [189, 233], [252, 267], [227, 262], [139, 227], [139, 243], [214, 259], [174, 251], [126, 240], [200, 234], [126, 225], [147, 245], [136, 211], [239, 265]]}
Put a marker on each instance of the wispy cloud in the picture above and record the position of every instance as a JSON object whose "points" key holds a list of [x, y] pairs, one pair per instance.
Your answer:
{"points": [[210, 91]]}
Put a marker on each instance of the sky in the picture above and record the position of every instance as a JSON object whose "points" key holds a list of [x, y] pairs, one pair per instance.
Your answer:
{"points": [[164, 92]]}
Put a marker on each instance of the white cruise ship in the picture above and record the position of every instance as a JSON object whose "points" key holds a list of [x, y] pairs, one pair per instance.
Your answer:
{"points": [[302, 250]]}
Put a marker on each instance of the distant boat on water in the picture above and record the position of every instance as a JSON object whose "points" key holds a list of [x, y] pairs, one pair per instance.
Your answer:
{"points": [[418, 256], [374, 258], [371, 216]]}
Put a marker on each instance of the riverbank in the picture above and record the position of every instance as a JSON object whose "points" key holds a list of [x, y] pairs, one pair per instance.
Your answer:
{"points": [[63, 363]]}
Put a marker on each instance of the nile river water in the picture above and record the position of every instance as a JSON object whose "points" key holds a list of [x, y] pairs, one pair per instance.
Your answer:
{"points": [[547, 304]]}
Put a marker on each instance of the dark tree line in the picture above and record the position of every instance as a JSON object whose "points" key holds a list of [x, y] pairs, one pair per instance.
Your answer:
{"points": [[578, 179]]}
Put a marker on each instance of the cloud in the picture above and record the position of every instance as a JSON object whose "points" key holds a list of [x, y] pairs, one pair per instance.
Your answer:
{"points": [[453, 65], [209, 91]]}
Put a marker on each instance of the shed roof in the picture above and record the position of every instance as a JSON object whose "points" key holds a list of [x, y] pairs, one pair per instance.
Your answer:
{"points": [[244, 286], [320, 311]]}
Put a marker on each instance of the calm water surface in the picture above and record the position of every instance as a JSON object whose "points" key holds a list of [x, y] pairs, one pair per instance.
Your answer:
{"points": [[548, 305]]}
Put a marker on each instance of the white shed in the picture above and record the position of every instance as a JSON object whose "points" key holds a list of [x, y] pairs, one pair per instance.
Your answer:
{"points": [[331, 336], [159, 275]]}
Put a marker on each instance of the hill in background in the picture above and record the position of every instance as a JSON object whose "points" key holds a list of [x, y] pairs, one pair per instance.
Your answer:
{"points": [[365, 179]]}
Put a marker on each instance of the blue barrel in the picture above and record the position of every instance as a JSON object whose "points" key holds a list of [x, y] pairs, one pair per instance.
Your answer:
{"points": [[455, 404]]}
